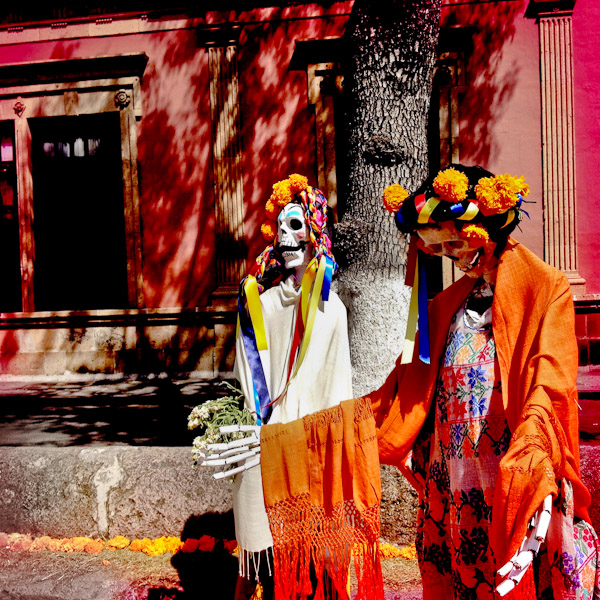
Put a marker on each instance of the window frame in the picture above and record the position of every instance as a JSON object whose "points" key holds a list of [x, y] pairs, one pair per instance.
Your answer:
{"points": [[68, 88]]}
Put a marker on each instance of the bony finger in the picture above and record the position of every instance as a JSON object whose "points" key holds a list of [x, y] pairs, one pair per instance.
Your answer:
{"points": [[244, 456], [249, 464], [523, 560], [506, 586], [542, 527]]}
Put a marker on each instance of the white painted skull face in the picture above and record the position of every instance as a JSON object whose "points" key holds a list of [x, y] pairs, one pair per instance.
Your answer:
{"points": [[471, 257], [293, 239]]}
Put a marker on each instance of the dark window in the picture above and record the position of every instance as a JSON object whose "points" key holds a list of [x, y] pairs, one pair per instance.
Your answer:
{"points": [[78, 219], [10, 256]]}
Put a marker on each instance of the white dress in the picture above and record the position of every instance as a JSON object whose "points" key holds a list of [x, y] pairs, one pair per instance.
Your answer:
{"points": [[323, 380]]}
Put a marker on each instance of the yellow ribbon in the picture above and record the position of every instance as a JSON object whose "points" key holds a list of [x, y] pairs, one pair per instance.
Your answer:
{"points": [[307, 283], [253, 299], [411, 323], [511, 216], [470, 213], [313, 304], [427, 210]]}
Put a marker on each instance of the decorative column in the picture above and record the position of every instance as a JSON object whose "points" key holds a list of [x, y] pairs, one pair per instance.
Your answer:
{"points": [[558, 142], [227, 172]]}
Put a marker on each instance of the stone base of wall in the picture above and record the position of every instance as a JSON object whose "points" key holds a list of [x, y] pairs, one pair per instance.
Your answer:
{"points": [[200, 341]]}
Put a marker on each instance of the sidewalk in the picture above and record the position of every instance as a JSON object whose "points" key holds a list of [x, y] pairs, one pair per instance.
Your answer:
{"points": [[126, 575]]}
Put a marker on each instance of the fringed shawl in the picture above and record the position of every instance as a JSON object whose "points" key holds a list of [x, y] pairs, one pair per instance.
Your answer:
{"points": [[322, 494]]}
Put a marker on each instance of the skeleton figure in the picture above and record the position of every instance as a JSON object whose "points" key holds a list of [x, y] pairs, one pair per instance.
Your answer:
{"points": [[489, 408], [303, 372]]}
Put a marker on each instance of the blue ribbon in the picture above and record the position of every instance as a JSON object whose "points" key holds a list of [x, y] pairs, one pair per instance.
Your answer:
{"points": [[424, 352], [327, 279], [457, 209], [262, 398]]}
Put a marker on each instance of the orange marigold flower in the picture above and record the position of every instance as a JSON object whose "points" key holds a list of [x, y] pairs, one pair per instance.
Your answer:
{"points": [[119, 542], [40, 544], [476, 233], [94, 547], [206, 543], [297, 183], [499, 193], [268, 230], [451, 185], [78, 544], [282, 193], [53, 545], [393, 197], [190, 545], [136, 546], [272, 210]]}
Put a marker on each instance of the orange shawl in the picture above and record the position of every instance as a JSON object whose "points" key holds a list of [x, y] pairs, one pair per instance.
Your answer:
{"points": [[534, 331], [322, 494]]}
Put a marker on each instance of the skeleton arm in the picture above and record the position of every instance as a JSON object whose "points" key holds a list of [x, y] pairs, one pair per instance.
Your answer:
{"points": [[245, 451], [512, 572]]}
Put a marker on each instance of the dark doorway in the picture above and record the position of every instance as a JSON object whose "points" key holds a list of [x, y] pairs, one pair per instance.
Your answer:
{"points": [[10, 253], [78, 219]]}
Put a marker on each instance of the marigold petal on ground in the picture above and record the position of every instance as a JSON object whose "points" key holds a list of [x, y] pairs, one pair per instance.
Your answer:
{"points": [[190, 545], [94, 547], [119, 542]]}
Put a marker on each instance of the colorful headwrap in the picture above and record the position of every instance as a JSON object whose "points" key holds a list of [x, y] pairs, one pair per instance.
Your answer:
{"points": [[482, 206], [269, 270]]}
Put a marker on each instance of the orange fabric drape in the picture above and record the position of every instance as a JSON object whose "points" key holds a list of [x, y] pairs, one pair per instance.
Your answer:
{"points": [[533, 324], [322, 494]]}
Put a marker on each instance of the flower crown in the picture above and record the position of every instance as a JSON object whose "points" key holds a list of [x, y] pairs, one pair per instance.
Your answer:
{"points": [[459, 200]]}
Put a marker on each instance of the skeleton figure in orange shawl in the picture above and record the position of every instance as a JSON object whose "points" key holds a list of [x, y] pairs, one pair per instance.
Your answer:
{"points": [[484, 423]]}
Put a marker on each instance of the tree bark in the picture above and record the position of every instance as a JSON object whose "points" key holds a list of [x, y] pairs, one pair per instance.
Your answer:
{"points": [[388, 78]]}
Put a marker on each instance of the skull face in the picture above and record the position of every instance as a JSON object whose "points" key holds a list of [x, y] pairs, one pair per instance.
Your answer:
{"points": [[472, 257], [293, 240]]}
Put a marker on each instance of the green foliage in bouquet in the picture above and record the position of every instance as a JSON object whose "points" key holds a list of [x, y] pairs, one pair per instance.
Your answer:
{"points": [[213, 414]]}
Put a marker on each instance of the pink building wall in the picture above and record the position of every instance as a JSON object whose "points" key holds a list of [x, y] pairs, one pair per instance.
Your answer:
{"points": [[586, 42]]}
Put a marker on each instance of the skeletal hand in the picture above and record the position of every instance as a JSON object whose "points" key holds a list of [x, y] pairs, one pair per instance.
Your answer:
{"points": [[245, 450], [512, 572]]}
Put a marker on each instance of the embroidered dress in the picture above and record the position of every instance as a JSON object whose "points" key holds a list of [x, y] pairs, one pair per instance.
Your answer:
{"points": [[458, 462]]}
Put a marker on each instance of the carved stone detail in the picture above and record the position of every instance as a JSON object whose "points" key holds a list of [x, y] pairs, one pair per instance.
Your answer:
{"points": [[19, 108], [122, 99]]}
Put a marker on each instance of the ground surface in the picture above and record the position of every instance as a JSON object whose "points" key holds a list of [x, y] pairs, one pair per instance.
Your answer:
{"points": [[127, 575]]}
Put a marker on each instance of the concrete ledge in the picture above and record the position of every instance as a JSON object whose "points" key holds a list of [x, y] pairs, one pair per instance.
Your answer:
{"points": [[117, 490]]}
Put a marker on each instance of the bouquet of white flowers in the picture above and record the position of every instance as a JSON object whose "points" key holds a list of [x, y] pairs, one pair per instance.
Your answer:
{"points": [[214, 414]]}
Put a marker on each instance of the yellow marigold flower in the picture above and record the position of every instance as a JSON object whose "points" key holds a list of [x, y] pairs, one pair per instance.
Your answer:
{"points": [[499, 193], [476, 233], [393, 197], [389, 551], [451, 185], [268, 230], [272, 210], [297, 183], [119, 542], [173, 544], [282, 193]]}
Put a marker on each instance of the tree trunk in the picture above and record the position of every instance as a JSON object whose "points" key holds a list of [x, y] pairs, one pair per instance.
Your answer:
{"points": [[388, 75]]}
